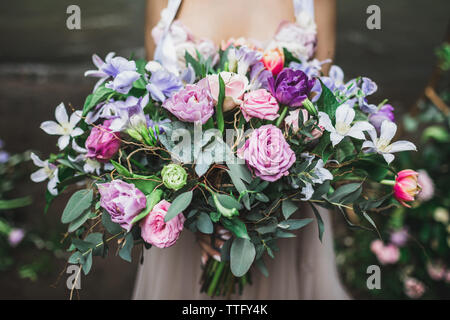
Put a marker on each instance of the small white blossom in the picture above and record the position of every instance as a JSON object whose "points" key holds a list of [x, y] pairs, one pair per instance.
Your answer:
{"points": [[383, 145], [65, 127], [343, 127], [48, 171]]}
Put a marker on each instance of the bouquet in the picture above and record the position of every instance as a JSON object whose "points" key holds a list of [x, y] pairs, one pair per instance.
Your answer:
{"points": [[237, 139]]}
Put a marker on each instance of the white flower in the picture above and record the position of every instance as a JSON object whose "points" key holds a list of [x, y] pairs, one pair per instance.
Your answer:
{"points": [[319, 171], [48, 171], [65, 127], [383, 146], [90, 165], [344, 118]]}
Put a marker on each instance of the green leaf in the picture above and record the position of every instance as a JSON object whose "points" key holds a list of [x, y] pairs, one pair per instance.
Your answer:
{"points": [[241, 188], [225, 250], [319, 220], [152, 200], [95, 98], [15, 203], [146, 185], [268, 227], [112, 227], [190, 60], [125, 251], [178, 205], [262, 267], [240, 171], [215, 216], [327, 102], [289, 57], [288, 208], [242, 254], [344, 191], [87, 263], [78, 203], [236, 226], [262, 197], [78, 222], [96, 240], [219, 106], [76, 258], [121, 169], [294, 224], [204, 223]]}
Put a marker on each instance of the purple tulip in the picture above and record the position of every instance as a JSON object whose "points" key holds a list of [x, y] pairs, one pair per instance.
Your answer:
{"points": [[102, 143], [386, 112], [291, 87], [123, 201]]}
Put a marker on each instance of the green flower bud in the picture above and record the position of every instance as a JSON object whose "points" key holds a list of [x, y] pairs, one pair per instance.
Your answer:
{"points": [[308, 105], [174, 176]]}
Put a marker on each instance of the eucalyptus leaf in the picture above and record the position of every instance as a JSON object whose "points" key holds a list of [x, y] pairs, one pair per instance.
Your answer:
{"points": [[178, 205], [204, 224], [77, 204], [125, 251], [288, 208], [242, 254]]}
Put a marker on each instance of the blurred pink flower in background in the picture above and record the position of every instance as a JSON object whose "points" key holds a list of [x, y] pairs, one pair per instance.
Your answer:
{"points": [[414, 288], [399, 237], [16, 236], [386, 254], [427, 185], [436, 271]]}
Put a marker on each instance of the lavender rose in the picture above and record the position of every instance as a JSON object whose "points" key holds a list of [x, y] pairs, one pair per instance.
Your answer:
{"points": [[191, 104], [291, 87], [102, 143], [123, 201], [386, 112], [156, 231], [268, 153]]}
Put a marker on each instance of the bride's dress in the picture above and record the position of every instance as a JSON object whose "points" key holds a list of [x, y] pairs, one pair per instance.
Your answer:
{"points": [[304, 268]]}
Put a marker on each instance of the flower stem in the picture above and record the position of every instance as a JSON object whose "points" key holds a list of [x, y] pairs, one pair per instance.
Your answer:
{"points": [[388, 182], [217, 274], [282, 116]]}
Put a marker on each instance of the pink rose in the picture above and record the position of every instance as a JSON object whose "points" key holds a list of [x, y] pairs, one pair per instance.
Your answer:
{"points": [[259, 104], [273, 60], [268, 153], [292, 121], [235, 86], [156, 231], [102, 142], [191, 104], [385, 254]]}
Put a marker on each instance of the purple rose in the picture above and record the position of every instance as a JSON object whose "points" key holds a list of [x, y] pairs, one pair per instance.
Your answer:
{"points": [[15, 236], [291, 87], [386, 112], [102, 142], [268, 153], [191, 104], [123, 201]]}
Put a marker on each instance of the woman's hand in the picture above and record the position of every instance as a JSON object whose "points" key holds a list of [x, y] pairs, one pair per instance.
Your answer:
{"points": [[219, 237]]}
